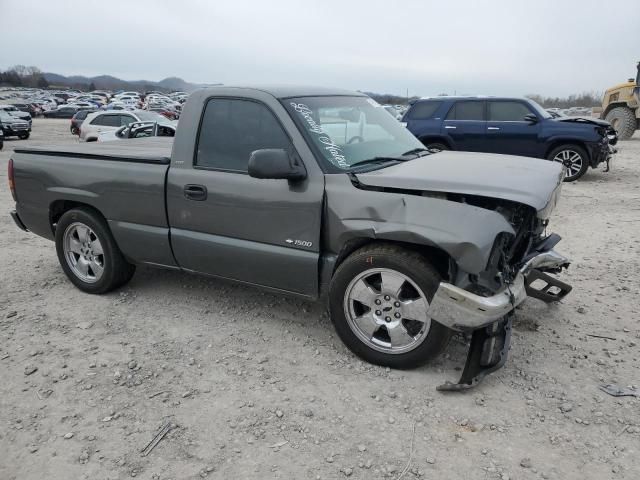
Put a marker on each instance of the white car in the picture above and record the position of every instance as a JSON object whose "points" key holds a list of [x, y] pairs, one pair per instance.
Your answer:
{"points": [[84, 105], [138, 130], [127, 100], [111, 120]]}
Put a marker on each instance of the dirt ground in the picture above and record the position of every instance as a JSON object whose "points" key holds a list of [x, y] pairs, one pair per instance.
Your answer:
{"points": [[258, 386]]}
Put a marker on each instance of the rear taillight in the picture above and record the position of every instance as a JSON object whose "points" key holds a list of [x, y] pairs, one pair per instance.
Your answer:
{"points": [[12, 183]]}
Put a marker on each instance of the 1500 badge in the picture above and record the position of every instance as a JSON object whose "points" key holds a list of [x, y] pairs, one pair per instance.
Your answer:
{"points": [[299, 243]]}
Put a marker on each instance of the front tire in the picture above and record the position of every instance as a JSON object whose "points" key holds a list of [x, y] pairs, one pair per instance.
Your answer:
{"points": [[574, 158], [378, 301], [88, 253], [623, 120], [24, 136], [436, 146]]}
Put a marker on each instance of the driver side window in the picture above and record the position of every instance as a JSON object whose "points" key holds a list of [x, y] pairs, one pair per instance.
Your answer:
{"points": [[231, 129], [507, 111]]}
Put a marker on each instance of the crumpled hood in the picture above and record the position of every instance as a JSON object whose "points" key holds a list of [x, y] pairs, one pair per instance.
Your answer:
{"points": [[531, 181], [592, 120]]}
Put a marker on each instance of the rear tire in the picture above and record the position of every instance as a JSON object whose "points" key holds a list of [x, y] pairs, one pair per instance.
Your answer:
{"points": [[623, 120], [88, 253], [378, 300], [574, 158]]}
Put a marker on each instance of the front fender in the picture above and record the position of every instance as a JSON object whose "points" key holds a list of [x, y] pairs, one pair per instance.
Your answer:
{"points": [[465, 232]]}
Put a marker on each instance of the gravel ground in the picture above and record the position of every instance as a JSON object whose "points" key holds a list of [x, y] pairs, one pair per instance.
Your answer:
{"points": [[258, 386]]}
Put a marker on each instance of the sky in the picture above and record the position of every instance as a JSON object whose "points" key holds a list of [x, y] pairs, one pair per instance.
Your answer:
{"points": [[492, 47]]}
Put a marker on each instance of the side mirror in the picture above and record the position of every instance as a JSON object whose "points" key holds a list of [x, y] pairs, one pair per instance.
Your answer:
{"points": [[531, 118], [276, 164]]}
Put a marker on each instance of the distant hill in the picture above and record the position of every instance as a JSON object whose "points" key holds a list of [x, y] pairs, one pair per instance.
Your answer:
{"points": [[108, 82]]}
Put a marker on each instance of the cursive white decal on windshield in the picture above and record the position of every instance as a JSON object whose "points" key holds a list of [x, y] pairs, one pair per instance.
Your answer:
{"points": [[329, 145]]}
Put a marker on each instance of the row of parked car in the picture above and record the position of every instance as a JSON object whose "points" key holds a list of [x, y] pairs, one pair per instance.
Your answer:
{"points": [[64, 104]]}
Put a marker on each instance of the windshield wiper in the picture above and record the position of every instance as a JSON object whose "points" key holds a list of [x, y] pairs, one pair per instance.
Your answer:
{"points": [[378, 160], [417, 152]]}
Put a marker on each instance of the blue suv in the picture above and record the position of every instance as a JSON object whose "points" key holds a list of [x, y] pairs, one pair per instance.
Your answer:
{"points": [[513, 126]]}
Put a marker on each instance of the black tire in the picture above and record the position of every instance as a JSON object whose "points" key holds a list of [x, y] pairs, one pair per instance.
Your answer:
{"points": [[436, 146], [410, 264], [117, 271], [74, 130], [24, 136], [573, 170], [623, 120]]}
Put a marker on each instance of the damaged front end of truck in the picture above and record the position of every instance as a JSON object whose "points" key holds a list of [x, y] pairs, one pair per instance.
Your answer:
{"points": [[491, 227]]}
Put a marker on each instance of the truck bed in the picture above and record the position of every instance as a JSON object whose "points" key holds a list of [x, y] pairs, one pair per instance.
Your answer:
{"points": [[143, 150], [124, 180]]}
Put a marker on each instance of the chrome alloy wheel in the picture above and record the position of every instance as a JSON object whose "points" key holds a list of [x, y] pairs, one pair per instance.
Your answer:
{"points": [[387, 310], [83, 252], [571, 160]]}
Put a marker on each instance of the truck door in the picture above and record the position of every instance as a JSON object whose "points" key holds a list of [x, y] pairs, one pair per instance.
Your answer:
{"points": [[228, 224], [464, 125], [508, 132]]}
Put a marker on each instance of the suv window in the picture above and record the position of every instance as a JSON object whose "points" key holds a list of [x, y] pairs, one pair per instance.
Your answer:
{"points": [[423, 110], [231, 129], [106, 120], [126, 120], [507, 111], [467, 110]]}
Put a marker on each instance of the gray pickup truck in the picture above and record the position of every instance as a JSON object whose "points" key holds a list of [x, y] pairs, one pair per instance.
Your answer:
{"points": [[318, 193]]}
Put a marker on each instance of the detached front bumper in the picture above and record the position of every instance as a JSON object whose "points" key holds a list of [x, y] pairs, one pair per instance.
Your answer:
{"points": [[462, 310], [490, 318]]}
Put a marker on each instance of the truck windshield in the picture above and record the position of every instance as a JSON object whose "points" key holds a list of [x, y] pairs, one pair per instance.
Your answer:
{"points": [[539, 110], [348, 130]]}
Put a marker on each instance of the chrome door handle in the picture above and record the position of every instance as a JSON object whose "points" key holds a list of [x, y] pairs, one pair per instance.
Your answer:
{"points": [[450, 126], [493, 128]]}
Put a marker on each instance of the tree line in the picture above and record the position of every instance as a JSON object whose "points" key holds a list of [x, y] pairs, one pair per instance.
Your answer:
{"points": [[585, 99], [23, 76]]}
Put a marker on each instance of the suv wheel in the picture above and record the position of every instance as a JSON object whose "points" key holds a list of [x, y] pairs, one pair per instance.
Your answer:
{"points": [[23, 136], [88, 253], [379, 299], [436, 146], [574, 159]]}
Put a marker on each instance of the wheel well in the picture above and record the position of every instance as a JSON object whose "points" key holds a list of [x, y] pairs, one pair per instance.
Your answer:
{"points": [[434, 139], [60, 207], [615, 105], [439, 259], [558, 143]]}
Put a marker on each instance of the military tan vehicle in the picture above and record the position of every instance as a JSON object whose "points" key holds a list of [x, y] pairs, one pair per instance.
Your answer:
{"points": [[621, 107]]}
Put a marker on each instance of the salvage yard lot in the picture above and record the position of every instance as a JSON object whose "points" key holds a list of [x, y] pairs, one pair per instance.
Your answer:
{"points": [[259, 386]]}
